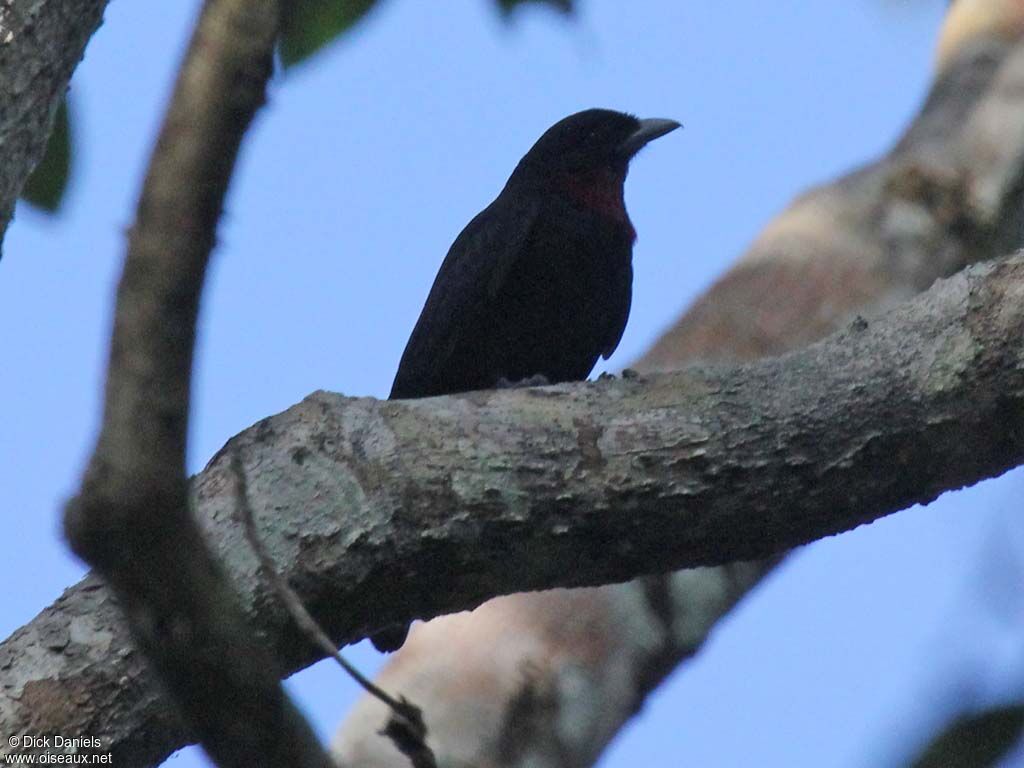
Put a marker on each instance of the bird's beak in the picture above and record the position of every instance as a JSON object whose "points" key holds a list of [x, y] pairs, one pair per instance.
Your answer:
{"points": [[650, 129]]}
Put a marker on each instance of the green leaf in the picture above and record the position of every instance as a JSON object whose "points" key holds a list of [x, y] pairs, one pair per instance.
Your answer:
{"points": [[565, 6], [975, 741], [46, 184], [312, 24]]}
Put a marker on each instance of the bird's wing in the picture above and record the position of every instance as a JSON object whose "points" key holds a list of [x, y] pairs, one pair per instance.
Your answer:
{"points": [[623, 299], [469, 279]]}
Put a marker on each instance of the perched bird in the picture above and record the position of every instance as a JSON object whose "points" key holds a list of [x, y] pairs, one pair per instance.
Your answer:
{"points": [[539, 284]]}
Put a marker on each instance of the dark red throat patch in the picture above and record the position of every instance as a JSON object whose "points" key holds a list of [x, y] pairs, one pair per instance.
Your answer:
{"points": [[601, 191]]}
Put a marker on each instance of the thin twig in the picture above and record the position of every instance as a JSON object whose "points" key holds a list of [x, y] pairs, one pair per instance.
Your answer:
{"points": [[405, 728]]}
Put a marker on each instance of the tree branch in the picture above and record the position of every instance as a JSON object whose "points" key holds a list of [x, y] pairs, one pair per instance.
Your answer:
{"points": [[41, 43], [396, 510], [379, 512], [131, 520]]}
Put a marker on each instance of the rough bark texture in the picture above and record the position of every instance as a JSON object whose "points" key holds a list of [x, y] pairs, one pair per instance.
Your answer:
{"points": [[421, 507], [938, 201], [41, 43]]}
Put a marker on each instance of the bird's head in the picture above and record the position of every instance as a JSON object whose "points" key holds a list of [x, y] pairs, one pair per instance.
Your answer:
{"points": [[589, 142]]}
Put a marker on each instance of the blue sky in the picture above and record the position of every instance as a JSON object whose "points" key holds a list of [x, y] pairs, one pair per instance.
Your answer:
{"points": [[366, 164]]}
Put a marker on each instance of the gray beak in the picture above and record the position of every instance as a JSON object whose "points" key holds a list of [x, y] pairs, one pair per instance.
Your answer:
{"points": [[650, 129]]}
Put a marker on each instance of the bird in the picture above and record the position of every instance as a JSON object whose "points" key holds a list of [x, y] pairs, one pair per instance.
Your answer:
{"points": [[539, 284]]}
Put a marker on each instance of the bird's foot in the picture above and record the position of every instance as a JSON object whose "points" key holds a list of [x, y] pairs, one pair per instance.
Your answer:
{"points": [[537, 380]]}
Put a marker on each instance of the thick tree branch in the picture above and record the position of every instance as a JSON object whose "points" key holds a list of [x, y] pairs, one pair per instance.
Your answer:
{"points": [[395, 510], [379, 512], [41, 43]]}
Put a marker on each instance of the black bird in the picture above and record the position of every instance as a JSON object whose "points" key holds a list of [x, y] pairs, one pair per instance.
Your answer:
{"points": [[539, 284]]}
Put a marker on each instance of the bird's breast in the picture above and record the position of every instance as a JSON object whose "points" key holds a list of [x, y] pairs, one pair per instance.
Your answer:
{"points": [[554, 312]]}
